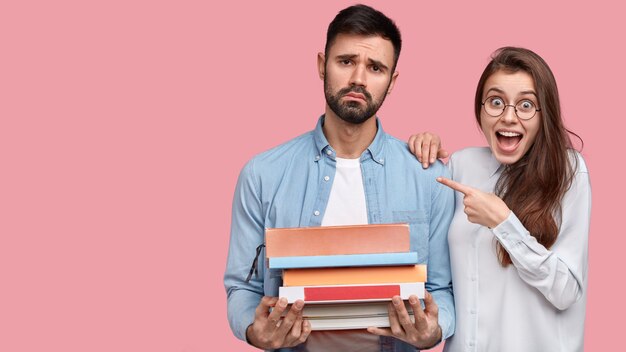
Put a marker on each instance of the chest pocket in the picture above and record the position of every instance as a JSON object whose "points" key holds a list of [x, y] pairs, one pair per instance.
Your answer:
{"points": [[419, 226]]}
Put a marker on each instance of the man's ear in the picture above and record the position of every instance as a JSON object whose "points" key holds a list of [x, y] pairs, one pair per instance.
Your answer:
{"points": [[394, 76], [321, 65]]}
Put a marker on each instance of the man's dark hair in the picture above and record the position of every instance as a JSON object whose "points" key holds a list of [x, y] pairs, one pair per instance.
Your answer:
{"points": [[364, 20]]}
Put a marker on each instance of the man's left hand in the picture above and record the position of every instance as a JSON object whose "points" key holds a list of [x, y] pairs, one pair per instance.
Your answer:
{"points": [[424, 333]]}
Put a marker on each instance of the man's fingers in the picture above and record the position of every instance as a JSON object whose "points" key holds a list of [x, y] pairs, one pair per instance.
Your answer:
{"points": [[455, 185], [274, 317], [420, 317], [306, 331], [430, 306], [290, 319], [442, 154], [294, 333], [263, 309], [394, 322], [403, 315], [379, 331]]}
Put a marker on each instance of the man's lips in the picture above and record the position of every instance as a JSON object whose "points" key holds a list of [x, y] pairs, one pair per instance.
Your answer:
{"points": [[355, 96]]}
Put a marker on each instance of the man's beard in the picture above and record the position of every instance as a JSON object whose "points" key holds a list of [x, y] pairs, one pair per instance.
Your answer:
{"points": [[352, 111]]}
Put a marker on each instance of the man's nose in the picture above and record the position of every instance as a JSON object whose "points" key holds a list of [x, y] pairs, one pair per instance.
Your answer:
{"points": [[359, 76]]}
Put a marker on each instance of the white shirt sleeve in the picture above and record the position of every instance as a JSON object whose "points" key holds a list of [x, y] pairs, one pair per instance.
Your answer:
{"points": [[560, 272]]}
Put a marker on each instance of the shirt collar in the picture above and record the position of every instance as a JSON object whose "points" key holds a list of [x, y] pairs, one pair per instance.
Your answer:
{"points": [[374, 150], [494, 166]]}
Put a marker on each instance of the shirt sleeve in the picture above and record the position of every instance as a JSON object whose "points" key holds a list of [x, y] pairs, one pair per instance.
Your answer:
{"points": [[439, 273], [559, 273], [246, 234]]}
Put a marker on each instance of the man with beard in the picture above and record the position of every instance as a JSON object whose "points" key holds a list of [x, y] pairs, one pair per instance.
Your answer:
{"points": [[346, 171]]}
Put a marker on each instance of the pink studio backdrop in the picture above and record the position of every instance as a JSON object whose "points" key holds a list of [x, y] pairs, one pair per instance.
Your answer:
{"points": [[124, 125]]}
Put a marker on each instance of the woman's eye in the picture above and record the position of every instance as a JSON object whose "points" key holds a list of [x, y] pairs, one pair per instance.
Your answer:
{"points": [[497, 102], [526, 105]]}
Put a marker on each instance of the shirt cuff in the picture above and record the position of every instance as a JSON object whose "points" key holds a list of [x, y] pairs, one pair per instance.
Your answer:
{"points": [[511, 231]]}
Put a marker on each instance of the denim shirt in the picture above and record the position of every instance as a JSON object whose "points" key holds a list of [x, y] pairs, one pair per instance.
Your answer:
{"points": [[289, 186]]}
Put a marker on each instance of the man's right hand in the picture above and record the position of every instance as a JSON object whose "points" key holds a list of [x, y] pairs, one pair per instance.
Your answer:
{"points": [[269, 331]]}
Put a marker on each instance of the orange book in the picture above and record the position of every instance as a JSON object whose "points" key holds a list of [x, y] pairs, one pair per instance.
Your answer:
{"points": [[337, 240], [355, 275]]}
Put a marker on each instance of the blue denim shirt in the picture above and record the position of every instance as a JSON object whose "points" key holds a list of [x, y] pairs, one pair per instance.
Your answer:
{"points": [[289, 186]]}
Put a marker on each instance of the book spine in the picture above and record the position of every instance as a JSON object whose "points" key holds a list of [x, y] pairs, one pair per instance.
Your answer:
{"points": [[337, 240], [319, 261], [351, 323], [351, 293], [355, 275]]}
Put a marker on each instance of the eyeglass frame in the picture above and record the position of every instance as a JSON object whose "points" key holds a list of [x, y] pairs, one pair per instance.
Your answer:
{"points": [[507, 105]]}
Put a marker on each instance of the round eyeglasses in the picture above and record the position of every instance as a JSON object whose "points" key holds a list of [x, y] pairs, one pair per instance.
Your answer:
{"points": [[524, 109]]}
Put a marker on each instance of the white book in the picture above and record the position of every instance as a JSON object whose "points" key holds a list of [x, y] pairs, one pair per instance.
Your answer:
{"points": [[343, 316], [351, 293], [351, 323]]}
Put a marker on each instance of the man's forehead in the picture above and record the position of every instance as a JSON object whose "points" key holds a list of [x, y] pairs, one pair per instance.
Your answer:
{"points": [[355, 44]]}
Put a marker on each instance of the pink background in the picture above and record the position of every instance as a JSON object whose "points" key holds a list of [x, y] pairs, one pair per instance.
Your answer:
{"points": [[124, 125]]}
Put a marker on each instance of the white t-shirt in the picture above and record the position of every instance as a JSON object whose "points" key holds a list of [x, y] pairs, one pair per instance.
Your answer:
{"points": [[346, 206]]}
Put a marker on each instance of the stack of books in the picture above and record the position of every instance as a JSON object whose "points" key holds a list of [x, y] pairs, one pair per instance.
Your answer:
{"points": [[346, 275]]}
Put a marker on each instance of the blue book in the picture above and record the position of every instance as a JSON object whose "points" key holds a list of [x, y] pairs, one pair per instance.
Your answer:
{"points": [[322, 261]]}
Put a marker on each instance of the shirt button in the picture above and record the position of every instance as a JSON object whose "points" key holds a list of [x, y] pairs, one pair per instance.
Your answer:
{"points": [[317, 157], [471, 343], [473, 311], [316, 213], [381, 160], [473, 278], [329, 152], [326, 178]]}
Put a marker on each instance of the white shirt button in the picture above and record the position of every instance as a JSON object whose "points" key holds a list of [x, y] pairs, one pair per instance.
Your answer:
{"points": [[317, 157], [473, 311], [329, 152], [326, 178], [473, 278], [316, 213]]}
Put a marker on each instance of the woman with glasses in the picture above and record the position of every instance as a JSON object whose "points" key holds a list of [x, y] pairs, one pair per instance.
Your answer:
{"points": [[518, 239]]}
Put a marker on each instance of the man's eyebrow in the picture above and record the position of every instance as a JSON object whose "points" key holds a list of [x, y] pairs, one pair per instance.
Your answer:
{"points": [[347, 56], [379, 64], [370, 60]]}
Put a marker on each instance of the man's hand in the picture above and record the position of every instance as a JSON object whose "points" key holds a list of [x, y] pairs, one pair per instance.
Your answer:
{"points": [[426, 147], [269, 331], [424, 333], [481, 208]]}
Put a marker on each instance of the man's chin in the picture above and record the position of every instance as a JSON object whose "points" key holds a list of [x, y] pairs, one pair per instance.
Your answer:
{"points": [[355, 120]]}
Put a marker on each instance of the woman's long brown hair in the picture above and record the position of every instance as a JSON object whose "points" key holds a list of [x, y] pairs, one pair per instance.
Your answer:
{"points": [[534, 186]]}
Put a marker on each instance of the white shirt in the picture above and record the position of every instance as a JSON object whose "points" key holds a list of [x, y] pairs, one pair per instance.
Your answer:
{"points": [[536, 304]]}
